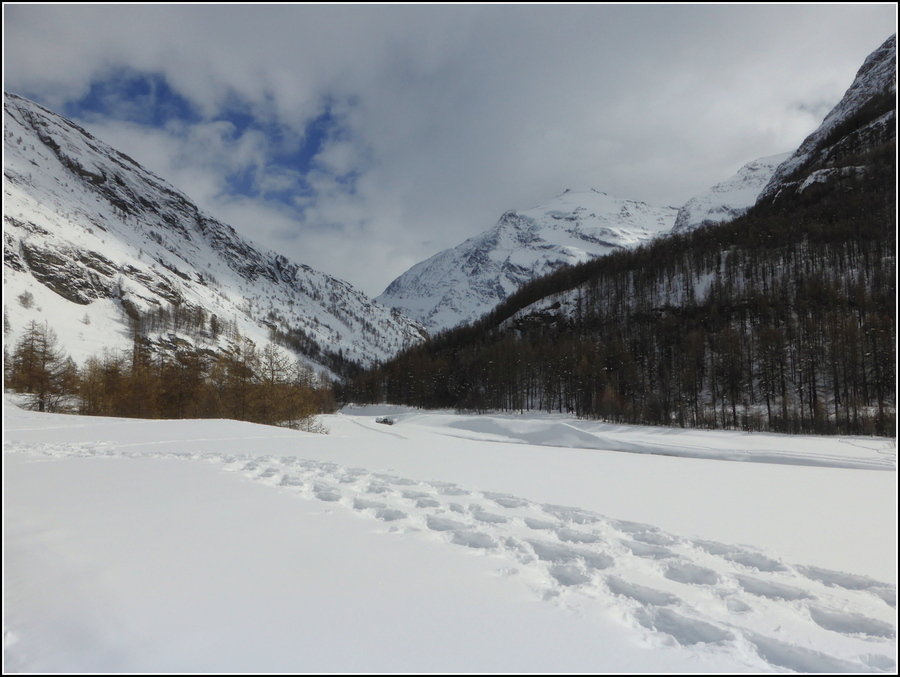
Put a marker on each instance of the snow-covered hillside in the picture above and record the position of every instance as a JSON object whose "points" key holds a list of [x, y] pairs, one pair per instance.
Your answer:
{"points": [[731, 198], [443, 543], [839, 148], [863, 119], [461, 284], [91, 238]]}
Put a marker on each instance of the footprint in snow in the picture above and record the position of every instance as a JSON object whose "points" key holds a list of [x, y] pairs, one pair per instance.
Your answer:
{"points": [[832, 579], [448, 489], [574, 559], [848, 623], [506, 500], [653, 538], [362, 504], [737, 555], [631, 527], [393, 479], [690, 574], [390, 514], [325, 492], [686, 631], [414, 495], [797, 658], [489, 518], [557, 553], [639, 593], [771, 590], [568, 514], [443, 524], [574, 536], [569, 574], [647, 550], [537, 524], [473, 539]]}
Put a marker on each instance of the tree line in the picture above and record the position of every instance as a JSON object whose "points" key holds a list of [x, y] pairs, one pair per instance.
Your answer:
{"points": [[244, 383], [783, 320]]}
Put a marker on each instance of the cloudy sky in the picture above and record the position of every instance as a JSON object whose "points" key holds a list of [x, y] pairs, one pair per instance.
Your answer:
{"points": [[362, 139]]}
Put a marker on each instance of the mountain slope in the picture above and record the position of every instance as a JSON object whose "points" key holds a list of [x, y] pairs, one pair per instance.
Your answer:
{"points": [[94, 244], [781, 320], [864, 119], [461, 284], [729, 199]]}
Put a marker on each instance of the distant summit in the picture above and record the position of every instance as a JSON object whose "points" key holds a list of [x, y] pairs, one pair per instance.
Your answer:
{"points": [[461, 284], [730, 199]]}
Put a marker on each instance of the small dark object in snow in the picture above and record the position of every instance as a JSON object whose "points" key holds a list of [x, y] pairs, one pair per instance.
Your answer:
{"points": [[385, 419]]}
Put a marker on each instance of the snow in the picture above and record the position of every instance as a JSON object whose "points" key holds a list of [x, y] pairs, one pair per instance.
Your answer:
{"points": [[731, 198], [443, 542], [463, 283], [830, 174]]}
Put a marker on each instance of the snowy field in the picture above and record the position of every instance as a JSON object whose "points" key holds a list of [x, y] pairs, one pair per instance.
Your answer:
{"points": [[443, 543]]}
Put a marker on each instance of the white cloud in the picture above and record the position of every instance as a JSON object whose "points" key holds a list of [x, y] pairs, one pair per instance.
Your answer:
{"points": [[449, 115]]}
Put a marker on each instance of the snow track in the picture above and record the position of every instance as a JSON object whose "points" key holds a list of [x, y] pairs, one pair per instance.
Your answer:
{"points": [[700, 594]]}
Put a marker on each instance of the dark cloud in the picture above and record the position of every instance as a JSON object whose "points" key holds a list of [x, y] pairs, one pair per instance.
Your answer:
{"points": [[362, 139]]}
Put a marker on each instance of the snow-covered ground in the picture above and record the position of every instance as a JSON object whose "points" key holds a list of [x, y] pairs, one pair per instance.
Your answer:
{"points": [[443, 543]]}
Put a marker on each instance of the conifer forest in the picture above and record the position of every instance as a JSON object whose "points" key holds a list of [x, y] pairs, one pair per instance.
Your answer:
{"points": [[782, 320]]}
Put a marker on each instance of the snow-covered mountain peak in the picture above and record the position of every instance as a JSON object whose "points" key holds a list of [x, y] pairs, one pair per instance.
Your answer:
{"points": [[731, 198], [462, 283], [93, 243]]}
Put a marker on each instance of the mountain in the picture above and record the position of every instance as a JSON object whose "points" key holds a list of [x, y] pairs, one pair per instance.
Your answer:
{"points": [[463, 283], [96, 245], [460, 284], [729, 199], [782, 320], [864, 120]]}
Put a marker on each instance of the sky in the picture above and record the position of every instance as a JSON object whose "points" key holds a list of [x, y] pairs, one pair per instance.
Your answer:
{"points": [[362, 139]]}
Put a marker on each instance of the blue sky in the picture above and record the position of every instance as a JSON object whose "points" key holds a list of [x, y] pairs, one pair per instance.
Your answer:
{"points": [[362, 139], [142, 98], [147, 100]]}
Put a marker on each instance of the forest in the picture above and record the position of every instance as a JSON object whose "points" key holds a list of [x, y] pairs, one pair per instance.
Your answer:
{"points": [[782, 320]]}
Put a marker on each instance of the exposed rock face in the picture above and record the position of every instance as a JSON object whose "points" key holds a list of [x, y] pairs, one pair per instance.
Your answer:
{"points": [[461, 284], [77, 275], [96, 230], [863, 120]]}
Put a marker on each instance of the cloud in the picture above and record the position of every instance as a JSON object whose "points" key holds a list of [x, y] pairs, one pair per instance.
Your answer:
{"points": [[362, 139]]}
